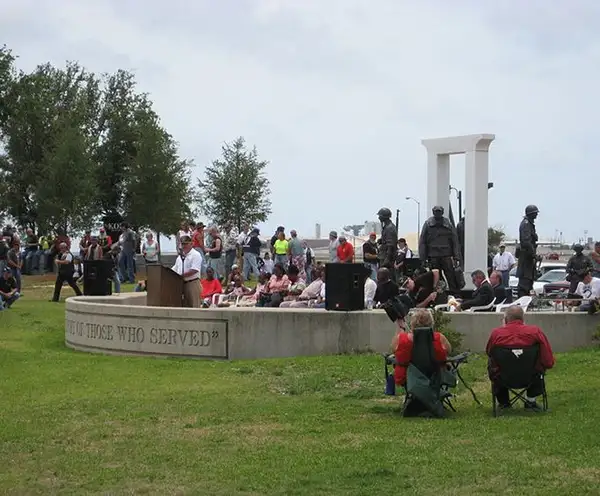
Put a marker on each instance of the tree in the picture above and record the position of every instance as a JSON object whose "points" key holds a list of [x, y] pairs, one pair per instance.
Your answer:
{"points": [[495, 238], [45, 173], [235, 189], [157, 191]]}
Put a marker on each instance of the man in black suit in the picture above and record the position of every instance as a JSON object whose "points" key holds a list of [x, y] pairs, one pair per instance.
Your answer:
{"points": [[483, 294], [501, 292]]}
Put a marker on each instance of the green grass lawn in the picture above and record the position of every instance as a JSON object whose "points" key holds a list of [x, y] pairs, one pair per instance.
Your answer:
{"points": [[78, 423]]}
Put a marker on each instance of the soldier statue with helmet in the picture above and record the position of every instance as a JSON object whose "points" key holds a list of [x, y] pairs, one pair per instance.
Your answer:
{"points": [[388, 242], [526, 252], [577, 267], [440, 249]]}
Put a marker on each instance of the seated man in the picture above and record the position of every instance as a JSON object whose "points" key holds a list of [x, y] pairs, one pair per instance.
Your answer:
{"points": [[423, 288], [370, 290], [8, 289], [589, 290], [516, 333], [483, 294], [386, 288], [210, 286], [501, 292]]}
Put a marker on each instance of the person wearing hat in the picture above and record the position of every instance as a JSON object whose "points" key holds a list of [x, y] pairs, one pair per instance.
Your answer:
{"points": [[198, 237], [104, 240], [527, 251], [333, 246], [9, 292], [439, 247], [577, 267], [189, 266], [274, 238], [251, 252], [503, 262]]}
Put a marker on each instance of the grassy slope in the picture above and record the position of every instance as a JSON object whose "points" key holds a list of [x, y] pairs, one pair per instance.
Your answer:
{"points": [[75, 423]]}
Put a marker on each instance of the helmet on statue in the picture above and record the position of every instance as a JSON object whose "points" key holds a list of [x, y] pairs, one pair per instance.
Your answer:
{"points": [[384, 213], [531, 210]]}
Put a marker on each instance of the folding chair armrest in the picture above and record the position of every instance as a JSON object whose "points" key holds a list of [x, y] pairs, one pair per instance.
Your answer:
{"points": [[389, 358], [460, 358]]}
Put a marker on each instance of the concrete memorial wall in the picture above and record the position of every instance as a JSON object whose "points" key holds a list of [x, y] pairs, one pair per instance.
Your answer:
{"points": [[124, 325]]}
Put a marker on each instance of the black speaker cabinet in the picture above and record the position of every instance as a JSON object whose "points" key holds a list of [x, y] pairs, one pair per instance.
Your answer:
{"points": [[345, 286], [97, 276]]}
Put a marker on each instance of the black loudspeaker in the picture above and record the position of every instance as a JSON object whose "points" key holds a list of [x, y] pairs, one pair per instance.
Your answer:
{"points": [[97, 276], [345, 286]]}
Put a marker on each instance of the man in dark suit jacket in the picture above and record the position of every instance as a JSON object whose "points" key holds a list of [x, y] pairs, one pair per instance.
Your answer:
{"points": [[483, 294], [501, 293]]}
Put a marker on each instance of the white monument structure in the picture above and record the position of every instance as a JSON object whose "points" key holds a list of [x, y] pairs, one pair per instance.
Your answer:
{"points": [[475, 147]]}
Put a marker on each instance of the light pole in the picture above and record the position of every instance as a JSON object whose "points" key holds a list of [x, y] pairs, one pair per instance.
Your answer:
{"points": [[418, 215], [397, 220]]}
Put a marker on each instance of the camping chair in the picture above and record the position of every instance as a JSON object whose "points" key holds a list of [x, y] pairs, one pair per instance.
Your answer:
{"points": [[517, 373], [483, 308], [428, 382]]}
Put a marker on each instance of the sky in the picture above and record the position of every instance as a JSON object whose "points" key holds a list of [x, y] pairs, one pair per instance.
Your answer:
{"points": [[338, 94]]}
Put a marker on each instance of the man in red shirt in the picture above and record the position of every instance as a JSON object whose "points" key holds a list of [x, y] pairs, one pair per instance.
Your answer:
{"points": [[515, 333], [345, 251]]}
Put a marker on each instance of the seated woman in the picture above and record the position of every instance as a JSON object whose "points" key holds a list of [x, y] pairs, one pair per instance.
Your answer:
{"points": [[235, 292], [276, 289], [297, 285], [210, 286], [235, 271], [252, 298], [403, 342]]}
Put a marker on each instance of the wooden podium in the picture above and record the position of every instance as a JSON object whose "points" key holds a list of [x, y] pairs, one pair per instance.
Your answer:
{"points": [[164, 287]]}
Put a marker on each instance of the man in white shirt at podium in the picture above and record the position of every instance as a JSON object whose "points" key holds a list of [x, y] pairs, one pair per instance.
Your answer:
{"points": [[189, 266]]}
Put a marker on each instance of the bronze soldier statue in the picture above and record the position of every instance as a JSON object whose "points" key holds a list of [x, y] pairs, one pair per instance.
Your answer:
{"points": [[388, 241], [439, 247], [527, 251], [577, 267]]}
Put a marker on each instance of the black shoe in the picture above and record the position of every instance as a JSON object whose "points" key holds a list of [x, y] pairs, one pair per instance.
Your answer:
{"points": [[504, 406], [532, 405]]}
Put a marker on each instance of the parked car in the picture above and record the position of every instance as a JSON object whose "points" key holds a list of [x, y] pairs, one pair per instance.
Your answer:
{"points": [[544, 268], [552, 276]]}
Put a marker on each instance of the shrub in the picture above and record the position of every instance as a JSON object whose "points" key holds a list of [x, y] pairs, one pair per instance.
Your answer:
{"points": [[442, 324]]}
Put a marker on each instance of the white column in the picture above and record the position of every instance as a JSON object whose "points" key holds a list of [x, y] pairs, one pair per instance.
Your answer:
{"points": [[476, 220], [438, 181]]}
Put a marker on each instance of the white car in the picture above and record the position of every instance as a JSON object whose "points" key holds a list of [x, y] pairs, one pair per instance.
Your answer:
{"points": [[545, 267], [555, 275]]}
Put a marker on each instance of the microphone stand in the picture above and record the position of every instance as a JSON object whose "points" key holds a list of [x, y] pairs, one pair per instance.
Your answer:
{"points": [[182, 255]]}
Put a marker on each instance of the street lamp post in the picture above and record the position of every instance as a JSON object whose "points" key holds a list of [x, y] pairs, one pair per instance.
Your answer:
{"points": [[397, 220], [418, 215], [459, 198]]}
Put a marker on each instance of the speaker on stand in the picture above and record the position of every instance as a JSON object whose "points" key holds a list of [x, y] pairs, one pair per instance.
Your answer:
{"points": [[96, 277], [345, 286]]}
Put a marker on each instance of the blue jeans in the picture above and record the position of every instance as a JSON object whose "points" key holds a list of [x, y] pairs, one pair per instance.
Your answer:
{"points": [[117, 282], [16, 273], [7, 302], [230, 258], [32, 260], [373, 268], [126, 270], [505, 277], [216, 264], [282, 259], [250, 264]]}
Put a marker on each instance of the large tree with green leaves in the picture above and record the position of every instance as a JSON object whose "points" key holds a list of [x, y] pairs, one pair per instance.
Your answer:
{"points": [[157, 188], [235, 189], [47, 137]]}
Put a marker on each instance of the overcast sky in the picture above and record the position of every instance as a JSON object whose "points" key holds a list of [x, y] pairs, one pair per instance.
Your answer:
{"points": [[337, 94]]}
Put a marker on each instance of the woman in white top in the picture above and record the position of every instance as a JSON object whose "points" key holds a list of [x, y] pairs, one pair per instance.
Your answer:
{"points": [[150, 249]]}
